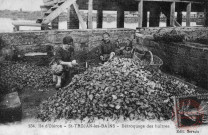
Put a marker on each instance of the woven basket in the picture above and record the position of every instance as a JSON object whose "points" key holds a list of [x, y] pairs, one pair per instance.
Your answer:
{"points": [[155, 61]]}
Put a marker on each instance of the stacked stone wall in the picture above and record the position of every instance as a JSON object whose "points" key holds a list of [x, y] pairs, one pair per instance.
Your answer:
{"points": [[86, 42]]}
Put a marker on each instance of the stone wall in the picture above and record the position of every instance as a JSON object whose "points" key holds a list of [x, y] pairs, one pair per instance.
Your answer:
{"points": [[186, 59], [85, 41], [191, 33]]}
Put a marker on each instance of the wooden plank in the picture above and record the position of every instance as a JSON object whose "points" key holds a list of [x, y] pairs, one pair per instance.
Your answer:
{"points": [[140, 13], [26, 24], [90, 9], [58, 11], [188, 15], [81, 21], [172, 14]]}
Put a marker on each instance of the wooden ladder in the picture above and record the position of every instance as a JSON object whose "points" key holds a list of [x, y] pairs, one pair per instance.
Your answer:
{"points": [[60, 7]]}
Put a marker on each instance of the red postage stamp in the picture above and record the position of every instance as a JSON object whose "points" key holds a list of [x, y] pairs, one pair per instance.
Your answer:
{"points": [[191, 111]]}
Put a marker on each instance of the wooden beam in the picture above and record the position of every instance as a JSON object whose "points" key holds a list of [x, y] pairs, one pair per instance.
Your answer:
{"points": [[166, 11], [120, 16], [73, 20], [154, 18], [179, 17], [140, 14], [188, 15], [58, 11], [206, 14], [81, 21], [90, 9], [172, 14], [144, 22], [100, 16]]}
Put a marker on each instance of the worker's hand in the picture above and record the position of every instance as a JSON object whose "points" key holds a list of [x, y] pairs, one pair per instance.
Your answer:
{"points": [[102, 58], [74, 63], [69, 64], [112, 54]]}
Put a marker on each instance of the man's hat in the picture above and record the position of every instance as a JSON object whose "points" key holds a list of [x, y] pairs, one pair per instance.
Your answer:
{"points": [[67, 40]]}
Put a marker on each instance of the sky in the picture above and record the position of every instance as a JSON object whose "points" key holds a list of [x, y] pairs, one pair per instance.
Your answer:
{"points": [[26, 5]]}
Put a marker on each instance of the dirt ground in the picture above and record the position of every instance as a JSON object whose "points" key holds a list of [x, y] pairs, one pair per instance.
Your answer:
{"points": [[31, 99]]}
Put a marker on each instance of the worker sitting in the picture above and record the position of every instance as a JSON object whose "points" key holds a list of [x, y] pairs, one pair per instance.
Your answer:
{"points": [[107, 48], [62, 64]]}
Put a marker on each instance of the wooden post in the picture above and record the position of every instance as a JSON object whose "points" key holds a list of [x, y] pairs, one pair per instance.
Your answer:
{"points": [[16, 28], [168, 21], [188, 15], [154, 19], [166, 12], [68, 17], [81, 21], [206, 14], [90, 9], [172, 14], [179, 17], [140, 14], [100, 16], [73, 21], [120, 17], [144, 22]]}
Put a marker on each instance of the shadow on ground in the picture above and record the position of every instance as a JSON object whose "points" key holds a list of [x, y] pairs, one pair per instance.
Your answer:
{"points": [[31, 99]]}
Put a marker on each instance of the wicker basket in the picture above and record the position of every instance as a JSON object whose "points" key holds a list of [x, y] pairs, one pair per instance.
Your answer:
{"points": [[155, 61]]}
